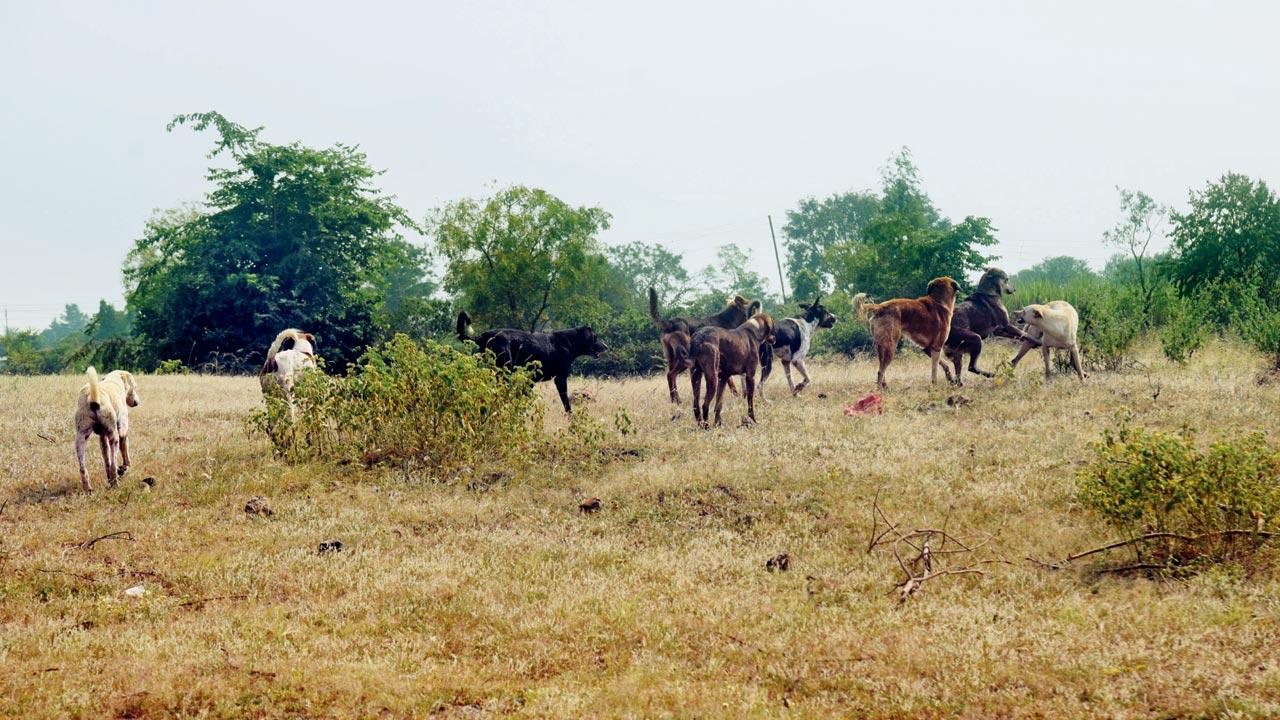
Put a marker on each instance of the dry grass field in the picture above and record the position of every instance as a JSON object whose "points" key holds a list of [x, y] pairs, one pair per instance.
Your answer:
{"points": [[493, 595]]}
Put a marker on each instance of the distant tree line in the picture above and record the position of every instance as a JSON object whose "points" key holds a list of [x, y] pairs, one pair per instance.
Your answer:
{"points": [[292, 236]]}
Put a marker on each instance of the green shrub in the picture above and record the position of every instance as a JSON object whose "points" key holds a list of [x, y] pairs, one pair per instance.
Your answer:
{"points": [[172, 367], [1143, 481], [849, 335], [428, 406], [1110, 316], [1184, 332]]}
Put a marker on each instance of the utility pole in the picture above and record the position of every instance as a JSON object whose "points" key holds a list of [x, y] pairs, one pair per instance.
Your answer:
{"points": [[778, 258]]}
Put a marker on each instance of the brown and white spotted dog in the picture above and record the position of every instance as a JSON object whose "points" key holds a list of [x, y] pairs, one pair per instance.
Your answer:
{"points": [[791, 341]]}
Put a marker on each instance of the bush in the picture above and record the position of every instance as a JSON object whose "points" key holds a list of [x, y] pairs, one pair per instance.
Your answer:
{"points": [[172, 367], [428, 406], [633, 343], [1184, 333], [850, 333], [1144, 482], [1110, 316]]}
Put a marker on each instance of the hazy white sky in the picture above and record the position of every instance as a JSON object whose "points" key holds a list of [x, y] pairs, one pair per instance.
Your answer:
{"points": [[690, 122]]}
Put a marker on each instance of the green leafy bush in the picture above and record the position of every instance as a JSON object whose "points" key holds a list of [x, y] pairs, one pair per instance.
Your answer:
{"points": [[1212, 499], [429, 406], [172, 367], [1184, 333]]}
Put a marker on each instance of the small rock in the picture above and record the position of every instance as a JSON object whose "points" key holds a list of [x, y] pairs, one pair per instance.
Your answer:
{"points": [[330, 546], [136, 591], [780, 562], [822, 396], [149, 481], [257, 505], [590, 506], [957, 400]]}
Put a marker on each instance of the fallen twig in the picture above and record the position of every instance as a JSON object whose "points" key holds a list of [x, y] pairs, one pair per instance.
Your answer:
{"points": [[201, 601], [118, 535], [926, 555], [42, 436], [1173, 536]]}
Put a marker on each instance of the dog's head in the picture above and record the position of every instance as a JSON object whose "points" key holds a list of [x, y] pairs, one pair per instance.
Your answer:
{"points": [[995, 281], [739, 301], [765, 324], [1029, 314], [589, 343], [943, 289], [817, 312], [130, 388]]}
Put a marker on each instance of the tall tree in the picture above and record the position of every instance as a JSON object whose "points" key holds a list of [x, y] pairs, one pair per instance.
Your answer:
{"points": [[520, 258], [1058, 270], [907, 241], [1142, 221], [1229, 235], [289, 236], [642, 266], [815, 227]]}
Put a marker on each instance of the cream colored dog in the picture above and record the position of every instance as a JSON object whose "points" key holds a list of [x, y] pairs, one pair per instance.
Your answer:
{"points": [[104, 409], [1054, 325], [292, 352]]}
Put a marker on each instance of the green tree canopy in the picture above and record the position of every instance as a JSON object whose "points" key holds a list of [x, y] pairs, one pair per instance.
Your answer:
{"points": [[1058, 270], [907, 241], [815, 227], [1230, 235], [522, 257], [290, 236]]}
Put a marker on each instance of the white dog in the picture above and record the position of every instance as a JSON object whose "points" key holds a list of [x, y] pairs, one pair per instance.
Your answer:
{"points": [[292, 352], [103, 408], [1054, 325]]}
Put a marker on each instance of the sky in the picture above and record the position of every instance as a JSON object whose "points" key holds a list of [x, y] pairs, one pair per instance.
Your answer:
{"points": [[690, 122]]}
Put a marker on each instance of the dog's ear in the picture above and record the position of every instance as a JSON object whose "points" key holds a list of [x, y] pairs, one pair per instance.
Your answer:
{"points": [[310, 338], [754, 308], [1036, 312], [129, 382]]}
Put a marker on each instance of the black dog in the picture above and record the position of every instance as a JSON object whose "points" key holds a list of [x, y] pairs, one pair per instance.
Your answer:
{"points": [[554, 351], [981, 315]]}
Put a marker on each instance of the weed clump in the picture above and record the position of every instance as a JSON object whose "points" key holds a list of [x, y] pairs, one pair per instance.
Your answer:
{"points": [[1180, 505], [428, 406]]}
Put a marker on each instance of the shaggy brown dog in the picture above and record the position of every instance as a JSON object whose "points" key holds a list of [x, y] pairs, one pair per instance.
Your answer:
{"points": [[677, 332], [926, 321], [719, 354]]}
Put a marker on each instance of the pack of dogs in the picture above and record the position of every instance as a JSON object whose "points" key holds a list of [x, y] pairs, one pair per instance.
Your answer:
{"points": [[738, 341]]}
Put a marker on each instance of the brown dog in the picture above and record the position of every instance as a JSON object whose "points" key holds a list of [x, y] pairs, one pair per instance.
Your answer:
{"points": [[719, 354], [926, 321], [677, 333]]}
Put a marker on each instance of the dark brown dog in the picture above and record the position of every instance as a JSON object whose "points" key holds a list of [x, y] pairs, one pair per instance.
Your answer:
{"points": [[926, 321], [677, 332], [981, 315], [719, 354]]}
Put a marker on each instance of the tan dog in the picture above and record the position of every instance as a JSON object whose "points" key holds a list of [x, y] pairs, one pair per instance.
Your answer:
{"points": [[719, 354], [292, 352], [1054, 325], [926, 321], [103, 408]]}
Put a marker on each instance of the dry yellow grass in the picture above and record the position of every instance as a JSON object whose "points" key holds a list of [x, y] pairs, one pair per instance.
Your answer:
{"points": [[500, 598]]}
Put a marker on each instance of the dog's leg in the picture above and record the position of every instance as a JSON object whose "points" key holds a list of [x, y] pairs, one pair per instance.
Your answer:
{"points": [[1075, 362], [884, 350], [720, 395], [82, 439], [732, 386], [804, 372], [108, 458], [124, 454], [562, 387], [750, 382], [1026, 348], [1045, 352], [786, 369], [973, 361], [935, 356], [695, 378], [956, 359]]}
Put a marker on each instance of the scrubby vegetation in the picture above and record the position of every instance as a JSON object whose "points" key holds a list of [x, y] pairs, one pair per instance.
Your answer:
{"points": [[502, 590], [427, 408]]}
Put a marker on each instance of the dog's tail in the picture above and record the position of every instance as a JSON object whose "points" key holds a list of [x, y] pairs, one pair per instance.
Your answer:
{"points": [[94, 401], [863, 309], [464, 326], [754, 308], [269, 365], [653, 311]]}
